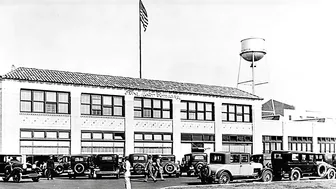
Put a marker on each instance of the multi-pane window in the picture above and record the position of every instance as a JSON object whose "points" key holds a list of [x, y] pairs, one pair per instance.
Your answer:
{"points": [[152, 108], [98, 142], [236, 113], [153, 143], [195, 137], [44, 141], [326, 144], [271, 143], [44, 101], [106, 105], [237, 143], [197, 110], [298, 143]]}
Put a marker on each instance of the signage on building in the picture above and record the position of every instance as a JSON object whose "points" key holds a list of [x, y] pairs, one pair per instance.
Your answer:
{"points": [[151, 94]]}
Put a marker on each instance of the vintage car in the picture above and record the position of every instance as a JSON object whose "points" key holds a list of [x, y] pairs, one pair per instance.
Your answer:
{"points": [[80, 165], [138, 162], [225, 167], [62, 164], [168, 164], [192, 163], [295, 165], [13, 166], [105, 164], [264, 159]]}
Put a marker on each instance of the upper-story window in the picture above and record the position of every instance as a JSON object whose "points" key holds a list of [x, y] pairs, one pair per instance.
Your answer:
{"points": [[236, 113], [44, 101], [152, 108], [197, 110], [105, 105]]}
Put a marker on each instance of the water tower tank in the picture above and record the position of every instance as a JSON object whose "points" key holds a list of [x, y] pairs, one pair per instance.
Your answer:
{"points": [[253, 46]]}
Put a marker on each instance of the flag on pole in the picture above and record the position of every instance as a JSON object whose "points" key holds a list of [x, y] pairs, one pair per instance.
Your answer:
{"points": [[143, 15]]}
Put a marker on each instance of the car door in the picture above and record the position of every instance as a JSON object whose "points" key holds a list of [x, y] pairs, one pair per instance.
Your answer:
{"points": [[246, 168], [234, 165]]}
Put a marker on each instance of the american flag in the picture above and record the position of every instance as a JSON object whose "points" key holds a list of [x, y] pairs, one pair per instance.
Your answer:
{"points": [[143, 15]]}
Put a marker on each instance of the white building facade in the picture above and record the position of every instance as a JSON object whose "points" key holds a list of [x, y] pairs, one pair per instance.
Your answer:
{"points": [[58, 112]]}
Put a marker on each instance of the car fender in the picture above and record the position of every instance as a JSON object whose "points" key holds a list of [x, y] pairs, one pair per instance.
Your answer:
{"points": [[17, 169], [297, 168]]}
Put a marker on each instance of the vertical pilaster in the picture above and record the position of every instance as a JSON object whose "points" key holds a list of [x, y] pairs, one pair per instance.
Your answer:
{"points": [[218, 124], [315, 146], [129, 124], [256, 127], [284, 135], [177, 129], [75, 123]]}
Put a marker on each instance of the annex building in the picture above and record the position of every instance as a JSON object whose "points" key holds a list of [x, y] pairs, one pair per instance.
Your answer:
{"points": [[60, 112]]}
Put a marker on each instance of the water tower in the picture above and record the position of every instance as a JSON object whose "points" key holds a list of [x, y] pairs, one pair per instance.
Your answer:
{"points": [[252, 50]]}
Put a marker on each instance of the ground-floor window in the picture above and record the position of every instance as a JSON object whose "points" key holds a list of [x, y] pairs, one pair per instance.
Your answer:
{"points": [[299, 143], [237, 143], [326, 144], [98, 142], [198, 142], [153, 143], [34, 141], [271, 143]]}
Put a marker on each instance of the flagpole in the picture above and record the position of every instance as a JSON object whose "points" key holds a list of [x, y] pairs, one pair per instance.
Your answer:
{"points": [[140, 41]]}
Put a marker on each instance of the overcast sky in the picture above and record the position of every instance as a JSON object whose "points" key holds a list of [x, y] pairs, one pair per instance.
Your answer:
{"points": [[195, 41]]}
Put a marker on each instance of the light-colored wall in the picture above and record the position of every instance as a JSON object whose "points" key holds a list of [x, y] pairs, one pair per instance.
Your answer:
{"points": [[13, 120]]}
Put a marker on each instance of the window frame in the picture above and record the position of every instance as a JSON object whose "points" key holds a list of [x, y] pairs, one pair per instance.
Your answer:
{"points": [[142, 109], [227, 111], [197, 111]]}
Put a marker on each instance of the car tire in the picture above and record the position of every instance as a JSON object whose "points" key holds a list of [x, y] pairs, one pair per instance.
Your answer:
{"points": [[17, 177], [331, 174], [321, 170], [59, 170], [79, 168], [139, 168], [267, 176], [295, 175], [198, 167], [35, 179], [224, 178], [169, 168]]}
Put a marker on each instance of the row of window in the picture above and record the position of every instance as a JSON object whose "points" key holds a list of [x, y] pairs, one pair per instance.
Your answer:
{"points": [[55, 102], [46, 135], [95, 135]]}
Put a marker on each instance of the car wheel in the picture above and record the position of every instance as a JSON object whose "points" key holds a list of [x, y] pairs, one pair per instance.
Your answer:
{"points": [[17, 177], [295, 175], [322, 170], [169, 168], [59, 170], [224, 178], [331, 174], [267, 176], [79, 168], [138, 168], [36, 179], [198, 167]]}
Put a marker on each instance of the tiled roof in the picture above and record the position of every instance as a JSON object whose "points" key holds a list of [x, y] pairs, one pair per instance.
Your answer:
{"points": [[77, 78]]}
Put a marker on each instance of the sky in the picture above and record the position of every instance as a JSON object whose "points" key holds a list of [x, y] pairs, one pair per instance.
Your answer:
{"points": [[193, 41]]}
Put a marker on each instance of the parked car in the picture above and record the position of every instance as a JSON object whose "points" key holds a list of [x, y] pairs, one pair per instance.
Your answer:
{"points": [[138, 162], [264, 159], [105, 164], [192, 162], [13, 166], [295, 165], [225, 167], [62, 164], [80, 165], [168, 163]]}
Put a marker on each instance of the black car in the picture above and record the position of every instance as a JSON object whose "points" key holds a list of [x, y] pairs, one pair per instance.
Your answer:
{"points": [[168, 164], [80, 165], [193, 162], [138, 162], [295, 165], [13, 166], [105, 164]]}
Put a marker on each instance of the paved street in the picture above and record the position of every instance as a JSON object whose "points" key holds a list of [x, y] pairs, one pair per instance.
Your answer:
{"points": [[107, 182]]}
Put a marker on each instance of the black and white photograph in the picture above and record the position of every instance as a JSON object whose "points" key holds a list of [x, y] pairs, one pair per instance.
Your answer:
{"points": [[167, 94]]}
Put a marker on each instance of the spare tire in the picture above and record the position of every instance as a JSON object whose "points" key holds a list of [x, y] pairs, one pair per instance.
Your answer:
{"points": [[79, 168], [322, 170], [169, 168], [139, 168], [198, 167], [331, 174]]}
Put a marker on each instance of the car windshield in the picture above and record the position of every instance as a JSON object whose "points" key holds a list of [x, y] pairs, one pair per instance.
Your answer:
{"points": [[14, 158], [139, 158], [216, 158], [170, 158], [256, 158], [80, 159]]}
